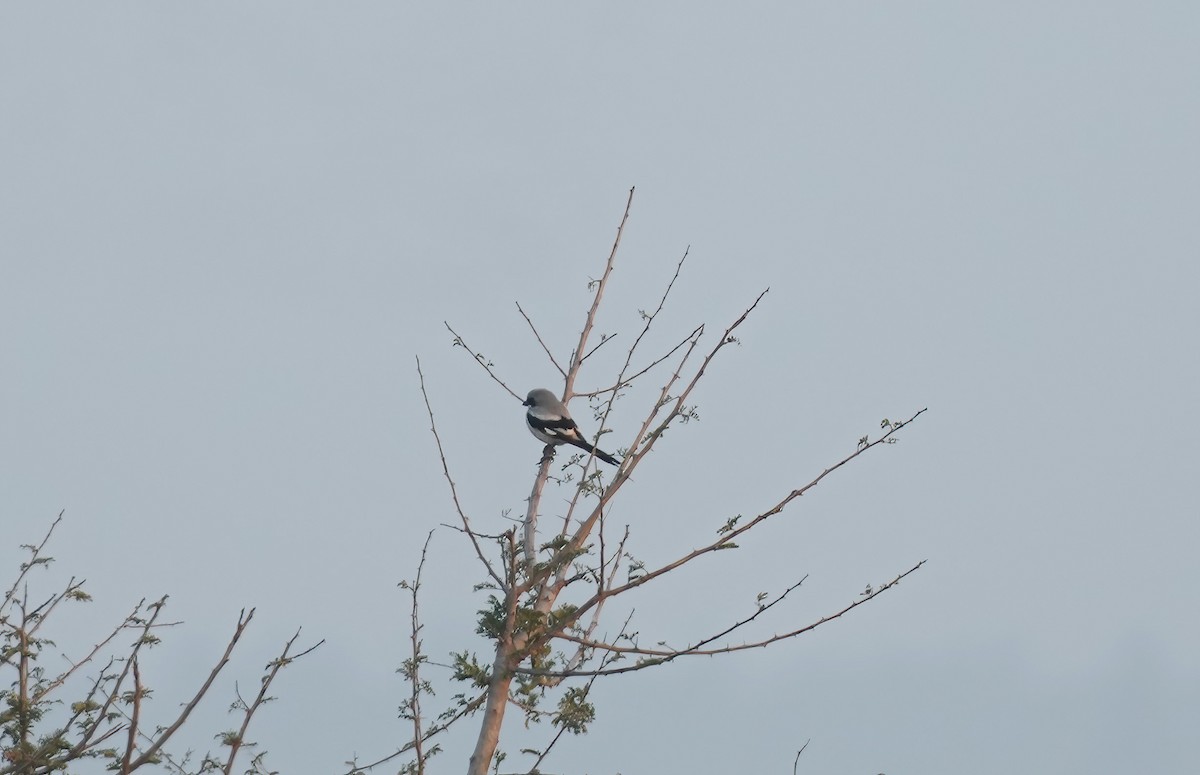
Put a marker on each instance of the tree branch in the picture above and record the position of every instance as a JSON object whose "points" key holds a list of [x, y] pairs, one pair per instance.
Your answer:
{"points": [[272, 668], [487, 366], [621, 380], [412, 671], [465, 710], [538, 336], [601, 284], [133, 718], [148, 755], [453, 489], [85, 740], [35, 558], [727, 537], [662, 657]]}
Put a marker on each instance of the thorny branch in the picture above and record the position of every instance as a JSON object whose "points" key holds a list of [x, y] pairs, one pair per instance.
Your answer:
{"points": [[796, 763], [487, 366], [604, 339], [601, 284], [538, 336], [412, 668], [131, 741], [272, 669], [647, 438], [450, 480], [663, 656], [727, 537], [75, 666], [35, 558], [85, 742], [622, 380], [97, 717], [150, 753], [605, 660], [726, 540], [465, 709]]}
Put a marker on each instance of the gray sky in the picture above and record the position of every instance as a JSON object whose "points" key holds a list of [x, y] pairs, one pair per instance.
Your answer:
{"points": [[228, 228]]}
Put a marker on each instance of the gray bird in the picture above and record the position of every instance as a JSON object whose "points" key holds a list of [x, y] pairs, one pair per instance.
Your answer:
{"points": [[551, 423]]}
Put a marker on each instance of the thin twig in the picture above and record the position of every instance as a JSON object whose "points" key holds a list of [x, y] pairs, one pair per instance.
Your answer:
{"points": [[453, 489], [631, 460], [580, 653], [43, 611], [603, 341], [465, 710], [728, 537], [272, 668], [110, 700], [647, 441], [621, 378], [627, 465], [460, 342], [622, 381], [35, 558], [66, 674], [587, 642], [133, 717], [81, 708], [149, 754], [538, 336], [627, 381], [605, 659], [414, 675], [723, 542], [797, 762], [601, 284], [662, 656]]}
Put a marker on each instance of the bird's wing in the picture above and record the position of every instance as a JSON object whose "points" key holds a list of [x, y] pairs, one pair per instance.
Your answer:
{"points": [[558, 427]]}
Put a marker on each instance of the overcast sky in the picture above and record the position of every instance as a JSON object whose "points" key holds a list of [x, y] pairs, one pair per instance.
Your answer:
{"points": [[226, 229]]}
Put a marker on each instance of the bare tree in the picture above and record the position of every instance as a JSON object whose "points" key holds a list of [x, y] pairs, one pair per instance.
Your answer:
{"points": [[95, 707], [542, 641], [547, 590]]}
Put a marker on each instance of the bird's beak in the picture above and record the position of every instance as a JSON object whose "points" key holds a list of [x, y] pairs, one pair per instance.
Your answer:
{"points": [[526, 403]]}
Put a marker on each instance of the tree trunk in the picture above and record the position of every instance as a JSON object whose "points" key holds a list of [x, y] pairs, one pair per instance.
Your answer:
{"points": [[493, 711]]}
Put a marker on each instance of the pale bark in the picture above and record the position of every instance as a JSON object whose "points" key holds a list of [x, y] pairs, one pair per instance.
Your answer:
{"points": [[493, 712]]}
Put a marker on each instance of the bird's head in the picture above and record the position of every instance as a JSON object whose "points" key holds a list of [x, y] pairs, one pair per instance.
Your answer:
{"points": [[539, 397]]}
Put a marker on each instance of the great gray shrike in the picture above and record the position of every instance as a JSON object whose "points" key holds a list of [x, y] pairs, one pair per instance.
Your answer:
{"points": [[551, 423]]}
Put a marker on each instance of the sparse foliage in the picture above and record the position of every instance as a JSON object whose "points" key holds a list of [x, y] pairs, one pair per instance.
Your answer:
{"points": [[96, 707]]}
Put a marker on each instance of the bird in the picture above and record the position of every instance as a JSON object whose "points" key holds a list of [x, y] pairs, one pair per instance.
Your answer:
{"points": [[549, 421]]}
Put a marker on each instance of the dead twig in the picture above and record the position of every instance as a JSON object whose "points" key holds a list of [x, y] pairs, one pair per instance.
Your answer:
{"points": [[412, 668], [660, 656], [466, 523], [272, 669], [484, 362], [149, 754], [538, 336]]}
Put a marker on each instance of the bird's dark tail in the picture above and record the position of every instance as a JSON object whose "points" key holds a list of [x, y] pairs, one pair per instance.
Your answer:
{"points": [[607, 458]]}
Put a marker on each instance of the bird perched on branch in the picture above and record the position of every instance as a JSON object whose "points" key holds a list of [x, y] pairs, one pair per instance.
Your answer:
{"points": [[549, 420]]}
